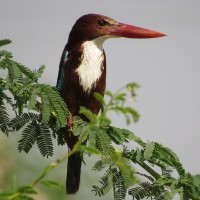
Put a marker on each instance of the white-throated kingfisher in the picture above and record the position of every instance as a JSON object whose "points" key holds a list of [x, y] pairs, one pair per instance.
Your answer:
{"points": [[82, 72]]}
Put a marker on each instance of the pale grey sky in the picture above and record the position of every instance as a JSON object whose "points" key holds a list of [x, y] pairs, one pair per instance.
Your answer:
{"points": [[168, 68]]}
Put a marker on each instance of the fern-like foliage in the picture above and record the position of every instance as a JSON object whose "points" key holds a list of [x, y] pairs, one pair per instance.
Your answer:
{"points": [[119, 186], [4, 42], [20, 121], [102, 142], [4, 117], [39, 110], [29, 137], [105, 184], [141, 191], [40, 115], [44, 141], [4, 120], [117, 102]]}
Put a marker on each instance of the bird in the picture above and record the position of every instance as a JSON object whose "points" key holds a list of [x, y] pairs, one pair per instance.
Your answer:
{"points": [[82, 72]]}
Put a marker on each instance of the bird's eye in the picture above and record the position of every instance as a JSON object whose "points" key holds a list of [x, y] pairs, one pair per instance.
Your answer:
{"points": [[102, 22]]}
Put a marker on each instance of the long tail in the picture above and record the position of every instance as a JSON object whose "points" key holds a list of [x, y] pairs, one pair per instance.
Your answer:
{"points": [[73, 173]]}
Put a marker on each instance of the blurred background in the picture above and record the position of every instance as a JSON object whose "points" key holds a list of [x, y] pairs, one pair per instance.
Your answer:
{"points": [[168, 70]]}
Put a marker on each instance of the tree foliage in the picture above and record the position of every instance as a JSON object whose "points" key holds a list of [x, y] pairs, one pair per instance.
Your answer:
{"points": [[40, 115]]}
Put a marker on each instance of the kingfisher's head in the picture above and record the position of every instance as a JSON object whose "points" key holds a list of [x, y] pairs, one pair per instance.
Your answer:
{"points": [[92, 26]]}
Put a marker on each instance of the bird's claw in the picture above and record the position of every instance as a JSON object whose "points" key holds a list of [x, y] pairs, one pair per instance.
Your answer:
{"points": [[70, 121]]}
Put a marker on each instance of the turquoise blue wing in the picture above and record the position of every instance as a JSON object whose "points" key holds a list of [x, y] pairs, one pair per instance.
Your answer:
{"points": [[61, 70]]}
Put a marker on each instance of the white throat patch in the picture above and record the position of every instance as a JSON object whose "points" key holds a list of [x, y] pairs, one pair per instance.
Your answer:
{"points": [[91, 65]]}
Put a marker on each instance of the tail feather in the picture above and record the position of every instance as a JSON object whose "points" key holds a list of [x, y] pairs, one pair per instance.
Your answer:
{"points": [[73, 173]]}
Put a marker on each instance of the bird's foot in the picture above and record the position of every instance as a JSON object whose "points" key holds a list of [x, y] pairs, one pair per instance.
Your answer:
{"points": [[70, 121]]}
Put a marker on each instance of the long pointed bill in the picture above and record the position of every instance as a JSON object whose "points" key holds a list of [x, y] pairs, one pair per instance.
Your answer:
{"points": [[128, 31]]}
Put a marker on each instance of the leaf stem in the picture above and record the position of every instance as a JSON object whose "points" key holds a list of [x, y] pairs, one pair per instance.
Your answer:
{"points": [[146, 167], [149, 170], [51, 166]]}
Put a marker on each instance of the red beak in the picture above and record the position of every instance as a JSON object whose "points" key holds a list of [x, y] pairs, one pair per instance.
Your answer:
{"points": [[128, 31]]}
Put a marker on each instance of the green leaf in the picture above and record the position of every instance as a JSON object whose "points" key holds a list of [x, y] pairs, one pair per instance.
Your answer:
{"points": [[21, 120], [125, 168], [135, 115], [139, 156], [102, 142], [105, 184], [13, 70], [5, 194], [119, 187], [109, 93], [129, 135], [29, 137], [46, 109], [27, 190], [148, 152], [6, 55], [131, 88], [142, 191], [104, 121], [51, 184], [102, 164], [39, 72], [4, 120], [56, 105], [116, 134], [89, 149], [26, 72], [196, 179], [121, 97], [90, 116], [5, 42], [169, 157], [99, 98], [128, 110], [33, 98], [44, 141]]}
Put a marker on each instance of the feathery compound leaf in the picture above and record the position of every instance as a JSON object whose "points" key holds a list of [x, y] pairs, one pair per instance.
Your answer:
{"points": [[52, 184], [131, 88], [57, 105], [130, 136], [102, 142], [21, 120], [196, 179], [109, 93], [29, 137], [101, 164], [99, 98], [88, 113], [13, 70], [116, 134], [46, 110], [106, 184], [142, 191], [121, 97], [128, 111], [119, 187], [148, 152], [33, 98], [168, 156], [25, 71], [5, 97], [51, 104], [39, 72], [44, 140], [4, 120], [27, 190], [127, 172], [4, 55], [5, 42]]}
